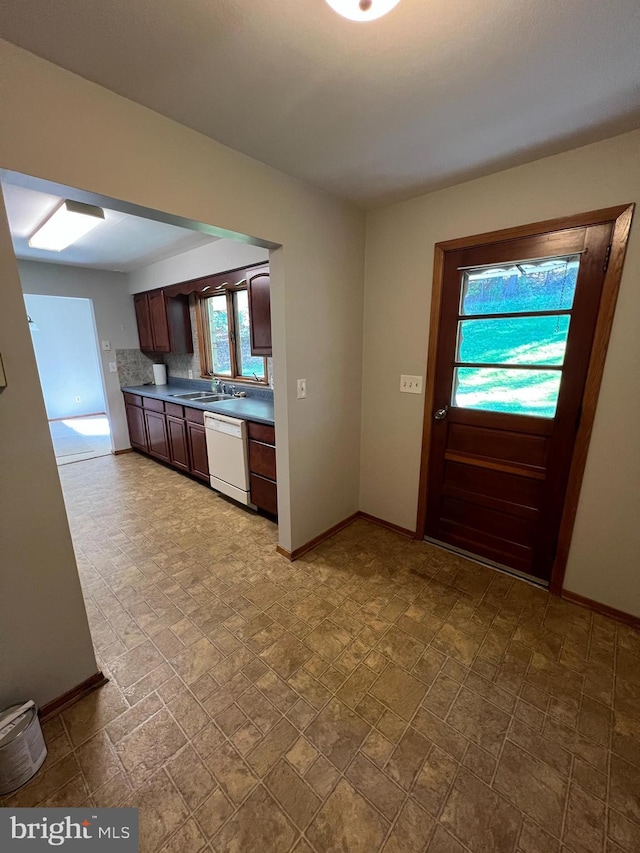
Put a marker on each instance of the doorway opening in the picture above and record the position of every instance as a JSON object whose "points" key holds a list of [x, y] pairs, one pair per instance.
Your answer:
{"points": [[65, 343], [520, 324]]}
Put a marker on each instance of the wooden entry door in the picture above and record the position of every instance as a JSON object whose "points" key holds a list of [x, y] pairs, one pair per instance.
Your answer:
{"points": [[508, 368]]}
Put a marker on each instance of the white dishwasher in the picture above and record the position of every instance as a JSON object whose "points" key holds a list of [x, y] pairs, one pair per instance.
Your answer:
{"points": [[228, 456]]}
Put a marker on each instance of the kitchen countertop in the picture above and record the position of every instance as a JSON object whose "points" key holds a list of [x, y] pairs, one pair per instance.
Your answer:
{"points": [[245, 408]]}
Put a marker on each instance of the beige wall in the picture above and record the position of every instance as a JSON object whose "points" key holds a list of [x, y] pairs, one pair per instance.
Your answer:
{"points": [[59, 127], [115, 321], [604, 562], [40, 596]]}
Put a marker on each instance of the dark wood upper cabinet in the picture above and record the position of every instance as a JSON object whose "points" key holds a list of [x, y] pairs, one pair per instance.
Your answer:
{"points": [[164, 322], [143, 319], [159, 321], [259, 310]]}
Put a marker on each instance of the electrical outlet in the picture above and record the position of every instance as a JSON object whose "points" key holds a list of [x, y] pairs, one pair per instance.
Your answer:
{"points": [[411, 384], [113, 367], [302, 389], [190, 374], [106, 346]]}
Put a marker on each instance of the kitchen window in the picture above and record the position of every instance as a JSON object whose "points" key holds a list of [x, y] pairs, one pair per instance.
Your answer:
{"points": [[224, 335]]}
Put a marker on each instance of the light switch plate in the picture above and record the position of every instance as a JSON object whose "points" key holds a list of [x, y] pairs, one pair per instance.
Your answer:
{"points": [[411, 384], [302, 389], [106, 346]]}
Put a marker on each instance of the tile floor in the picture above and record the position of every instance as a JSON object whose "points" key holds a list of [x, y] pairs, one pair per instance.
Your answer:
{"points": [[378, 694]]}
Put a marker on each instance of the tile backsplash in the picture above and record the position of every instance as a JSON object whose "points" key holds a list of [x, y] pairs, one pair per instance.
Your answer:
{"points": [[134, 367]]}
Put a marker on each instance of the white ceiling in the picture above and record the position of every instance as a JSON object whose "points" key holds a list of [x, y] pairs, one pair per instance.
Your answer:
{"points": [[431, 94], [122, 242]]}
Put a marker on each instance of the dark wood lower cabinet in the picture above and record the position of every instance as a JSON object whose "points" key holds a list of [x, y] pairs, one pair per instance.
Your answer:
{"points": [[197, 440], [178, 442], [262, 467], [137, 429], [170, 432], [176, 434], [157, 433], [264, 494], [262, 459]]}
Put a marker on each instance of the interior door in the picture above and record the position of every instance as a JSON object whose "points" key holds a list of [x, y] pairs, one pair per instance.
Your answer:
{"points": [[516, 327]]}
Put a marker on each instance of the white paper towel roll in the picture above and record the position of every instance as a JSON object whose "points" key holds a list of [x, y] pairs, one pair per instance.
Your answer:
{"points": [[160, 374]]}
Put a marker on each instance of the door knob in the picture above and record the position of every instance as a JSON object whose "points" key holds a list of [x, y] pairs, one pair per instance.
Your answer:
{"points": [[440, 414]]}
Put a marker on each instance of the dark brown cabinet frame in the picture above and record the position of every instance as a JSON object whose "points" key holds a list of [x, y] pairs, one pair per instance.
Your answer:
{"points": [[621, 218]]}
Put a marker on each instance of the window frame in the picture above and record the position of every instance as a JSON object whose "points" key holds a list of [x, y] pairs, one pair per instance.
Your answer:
{"points": [[204, 336]]}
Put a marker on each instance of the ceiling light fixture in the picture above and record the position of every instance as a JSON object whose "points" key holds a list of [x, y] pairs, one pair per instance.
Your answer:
{"points": [[68, 222], [362, 10]]}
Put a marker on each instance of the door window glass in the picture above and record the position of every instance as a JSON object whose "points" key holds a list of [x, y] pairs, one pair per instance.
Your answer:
{"points": [[528, 286], [513, 340], [516, 315], [509, 390]]}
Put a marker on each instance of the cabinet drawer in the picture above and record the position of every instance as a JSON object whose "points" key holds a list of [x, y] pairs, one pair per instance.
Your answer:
{"points": [[264, 494], [262, 459], [174, 410], [194, 416], [262, 432], [152, 404], [132, 399]]}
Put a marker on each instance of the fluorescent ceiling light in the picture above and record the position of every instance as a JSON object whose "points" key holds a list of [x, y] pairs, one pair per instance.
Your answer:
{"points": [[68, 222], [362, 10]]}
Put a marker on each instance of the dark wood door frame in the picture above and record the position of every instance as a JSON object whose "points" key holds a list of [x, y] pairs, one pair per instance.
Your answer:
{"points": [[621, 217]]}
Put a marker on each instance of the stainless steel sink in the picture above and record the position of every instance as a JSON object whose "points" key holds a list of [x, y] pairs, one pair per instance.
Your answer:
{"points": [[201, 396], [192, 395]]}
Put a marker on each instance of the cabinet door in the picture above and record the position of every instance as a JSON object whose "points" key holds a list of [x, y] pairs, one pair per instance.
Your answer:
{"points": [[198, 451], [179, 320], [157, 433], [143, 318], [264, 494], [159, 321], [137, 430], [178, 447], [259, 311]]}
